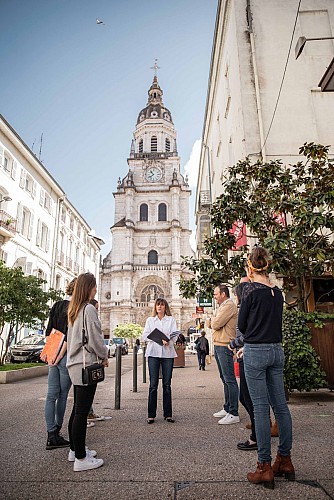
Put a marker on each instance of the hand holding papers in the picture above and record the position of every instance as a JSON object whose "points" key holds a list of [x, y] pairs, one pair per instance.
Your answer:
{"points": [[52, 347], [158, 336]]}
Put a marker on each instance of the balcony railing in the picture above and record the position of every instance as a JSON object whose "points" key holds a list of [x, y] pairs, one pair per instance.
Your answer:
{"points": [[152, 267], [7, 222], [155, 155]]}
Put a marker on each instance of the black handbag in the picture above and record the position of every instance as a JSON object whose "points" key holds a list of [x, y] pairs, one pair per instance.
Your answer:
{"points": [[91, 374]]}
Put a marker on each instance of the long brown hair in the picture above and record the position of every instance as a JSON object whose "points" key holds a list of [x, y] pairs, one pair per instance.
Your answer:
{"points": [[158, 302], [81, 295]]}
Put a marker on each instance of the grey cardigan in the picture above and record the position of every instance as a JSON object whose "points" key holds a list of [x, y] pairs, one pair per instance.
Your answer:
{"points": [[95, 346]]}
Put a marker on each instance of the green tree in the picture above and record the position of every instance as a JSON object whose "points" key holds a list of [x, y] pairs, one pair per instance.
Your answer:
{"points": [[128, 331], [286, 208], [23, 302]]}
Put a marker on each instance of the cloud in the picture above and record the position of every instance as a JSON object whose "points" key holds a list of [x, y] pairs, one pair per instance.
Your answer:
{"points": [[192, 165]]}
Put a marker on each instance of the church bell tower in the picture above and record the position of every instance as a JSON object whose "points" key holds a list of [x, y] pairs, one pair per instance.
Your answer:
{"points": [[151, 225]]}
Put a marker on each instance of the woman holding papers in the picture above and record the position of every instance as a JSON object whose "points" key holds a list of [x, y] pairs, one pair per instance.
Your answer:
{"points": [[161, 334], [59, 381]]}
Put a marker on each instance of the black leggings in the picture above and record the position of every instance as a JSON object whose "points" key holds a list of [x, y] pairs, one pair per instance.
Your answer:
{"points": [[77, 425], [245, 398]]}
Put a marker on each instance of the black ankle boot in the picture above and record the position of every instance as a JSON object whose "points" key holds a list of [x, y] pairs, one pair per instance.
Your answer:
{"points": [[56, 441]]}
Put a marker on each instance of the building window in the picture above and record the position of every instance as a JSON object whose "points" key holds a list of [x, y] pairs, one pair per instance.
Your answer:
{"points": [[141, 146], [143, 212], [72, 224], [150, 293], [162, 212], [167, 145], [26, 223], [6, 164], [152, 257], [63, 214], [58, 280], [154, 144], [42, 237]]}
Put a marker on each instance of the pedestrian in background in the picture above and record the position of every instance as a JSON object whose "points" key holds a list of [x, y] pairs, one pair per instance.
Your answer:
{"points": [[223, 325], [202, 347], [59, 382], [160, 357], [81, 315], [260, 321]]}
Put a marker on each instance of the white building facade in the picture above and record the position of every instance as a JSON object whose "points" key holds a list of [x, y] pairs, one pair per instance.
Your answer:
{"points": [[254, 106], [151, 229], [40, 230]]}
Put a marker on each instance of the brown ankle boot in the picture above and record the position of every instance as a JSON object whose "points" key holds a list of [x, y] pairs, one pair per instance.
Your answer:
{"points": [[263, 474], [274, 430], [283, 466]]}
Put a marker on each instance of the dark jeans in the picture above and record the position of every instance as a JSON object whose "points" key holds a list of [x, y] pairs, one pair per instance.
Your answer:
{"points": [[245, 398], [167, 370], [201, 358], [225, 363], [77, 425]]}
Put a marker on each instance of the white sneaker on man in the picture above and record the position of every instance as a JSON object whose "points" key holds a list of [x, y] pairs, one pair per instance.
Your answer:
{"points": [[221, 413], [89, 453], [87, 463], [229, 419]]}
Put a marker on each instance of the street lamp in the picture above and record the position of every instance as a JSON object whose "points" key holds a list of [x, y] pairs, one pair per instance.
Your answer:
{"points": [[4, 198], [302, 41]]}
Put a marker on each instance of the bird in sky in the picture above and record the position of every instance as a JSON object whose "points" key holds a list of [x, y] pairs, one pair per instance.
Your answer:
{"points": [[98, 21]]}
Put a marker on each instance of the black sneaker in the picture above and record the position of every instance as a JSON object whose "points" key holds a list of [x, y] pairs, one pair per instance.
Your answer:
{"points": [[247, 446], [55, 441]]}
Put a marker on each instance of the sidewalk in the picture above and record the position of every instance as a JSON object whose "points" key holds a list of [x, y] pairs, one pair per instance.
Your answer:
{"points": [[194, 458]]}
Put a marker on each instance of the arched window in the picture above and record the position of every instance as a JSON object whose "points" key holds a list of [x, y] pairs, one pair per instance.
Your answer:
{"points": [[143, 212], [162, 212], [152, 257], [141, 146], [151, 292], [167, 145], [154, 144]]}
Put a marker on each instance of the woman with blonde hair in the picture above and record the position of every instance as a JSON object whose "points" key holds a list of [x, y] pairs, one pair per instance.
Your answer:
{"points": [[83, 315], [260, 320], [160, 357]]}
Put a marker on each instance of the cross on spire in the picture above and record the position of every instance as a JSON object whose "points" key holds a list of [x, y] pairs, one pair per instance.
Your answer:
{"points": [[155, 67]]}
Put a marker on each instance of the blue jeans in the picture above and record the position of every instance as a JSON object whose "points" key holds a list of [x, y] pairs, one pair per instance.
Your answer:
{"points": [[167, 370], [201, 358], [77, 425], [59, 384], [225, 363], [264, 364]]}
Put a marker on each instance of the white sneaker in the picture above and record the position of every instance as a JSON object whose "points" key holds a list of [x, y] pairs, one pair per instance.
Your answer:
{"points": [[221, 413], [89, 453], [87, 464], [229, 419], [90, 424]]}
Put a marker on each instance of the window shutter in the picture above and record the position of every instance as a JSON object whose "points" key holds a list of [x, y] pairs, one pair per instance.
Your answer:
{"points": [[42, 197], [29, 268], [47, 241], [23, 178], [33, 192], [1, 157], [31, 226], [38, 234], [13, 172], [19, 218]]}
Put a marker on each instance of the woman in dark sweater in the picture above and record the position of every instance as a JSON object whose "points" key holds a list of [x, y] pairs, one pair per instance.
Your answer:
{"points": [[260, 320]]}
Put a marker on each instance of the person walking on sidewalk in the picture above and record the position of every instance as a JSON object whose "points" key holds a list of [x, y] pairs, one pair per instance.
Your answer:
{"points": [[160, 357], [59, 382], [223, 325], [202, 346], [260, 320], [81, 315]]}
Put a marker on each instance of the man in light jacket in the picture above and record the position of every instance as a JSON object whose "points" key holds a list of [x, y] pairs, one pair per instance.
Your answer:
{"points": [[224, 325]]}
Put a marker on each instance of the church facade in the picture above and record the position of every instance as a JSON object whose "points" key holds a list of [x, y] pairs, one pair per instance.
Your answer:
{"points": [[151, 226]]}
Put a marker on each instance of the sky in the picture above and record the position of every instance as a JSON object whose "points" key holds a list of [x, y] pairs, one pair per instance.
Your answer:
{"points": [[80, 85]]}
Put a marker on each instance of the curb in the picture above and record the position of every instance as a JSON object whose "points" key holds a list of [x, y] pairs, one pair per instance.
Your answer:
{"points": [[23, 374]]}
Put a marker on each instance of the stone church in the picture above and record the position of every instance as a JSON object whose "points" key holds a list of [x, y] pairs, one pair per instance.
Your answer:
{"points": [[151, 226]]}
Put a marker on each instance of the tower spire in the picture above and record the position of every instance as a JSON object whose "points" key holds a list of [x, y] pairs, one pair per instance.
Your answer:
{"points": [[155, 68]]}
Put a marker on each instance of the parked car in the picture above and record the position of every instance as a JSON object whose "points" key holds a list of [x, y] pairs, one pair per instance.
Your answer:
{"points": [[120, 341], [111, 347], [27, 350]]}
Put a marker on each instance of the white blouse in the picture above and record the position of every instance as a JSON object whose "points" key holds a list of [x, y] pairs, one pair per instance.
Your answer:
{"points": [[166, 325]]}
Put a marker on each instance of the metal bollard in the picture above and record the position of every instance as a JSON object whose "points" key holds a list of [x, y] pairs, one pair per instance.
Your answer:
{"points": [[118, 376], [144, 365], [134, 369]]}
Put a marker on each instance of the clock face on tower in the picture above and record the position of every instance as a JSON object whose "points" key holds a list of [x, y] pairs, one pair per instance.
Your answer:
{"points": [[153, 174]]}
